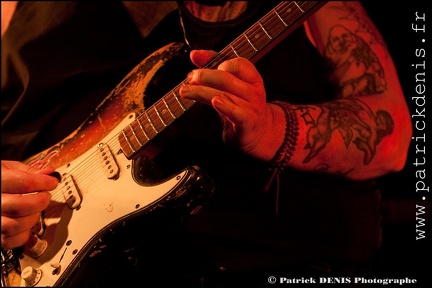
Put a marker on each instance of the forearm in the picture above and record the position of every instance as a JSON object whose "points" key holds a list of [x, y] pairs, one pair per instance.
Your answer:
{"points": [[355, 138], [365, 132]]}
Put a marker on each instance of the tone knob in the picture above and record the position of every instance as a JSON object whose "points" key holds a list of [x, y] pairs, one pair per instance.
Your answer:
{"points": [[31, 276], [36, 246]]}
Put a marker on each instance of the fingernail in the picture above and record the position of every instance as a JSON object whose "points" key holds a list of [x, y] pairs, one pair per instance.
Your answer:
{"points": [[217, 102], [184, 90]]}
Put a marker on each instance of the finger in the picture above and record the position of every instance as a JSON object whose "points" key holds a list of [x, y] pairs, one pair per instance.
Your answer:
{"points": [[226, 81], [203, 94], [242, 69], [16, 165], [15, 226], [201, 57], [235, 113], [232, 107], [10, 242], [18, 181], [200, 80], [21, 205]]}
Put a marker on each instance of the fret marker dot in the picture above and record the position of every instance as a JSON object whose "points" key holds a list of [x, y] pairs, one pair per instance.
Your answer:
{"points": [[423, 40]]}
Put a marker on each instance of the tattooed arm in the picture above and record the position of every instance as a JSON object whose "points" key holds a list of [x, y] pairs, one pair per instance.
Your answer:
{"points": [[363, 133], [366, 132]]}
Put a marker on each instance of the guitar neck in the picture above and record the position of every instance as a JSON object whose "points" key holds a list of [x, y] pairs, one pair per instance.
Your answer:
{"points": [[252, 45], [268, 31]]}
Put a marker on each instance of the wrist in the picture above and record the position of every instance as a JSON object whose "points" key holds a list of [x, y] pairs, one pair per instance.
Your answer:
{"points": [[286, 150]]}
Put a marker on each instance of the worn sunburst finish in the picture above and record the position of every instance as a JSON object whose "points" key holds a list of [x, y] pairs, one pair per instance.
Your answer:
{"points": [[128, 97]]}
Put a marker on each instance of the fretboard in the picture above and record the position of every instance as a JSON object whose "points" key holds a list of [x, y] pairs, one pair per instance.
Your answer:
{"points": [[252, 44]]}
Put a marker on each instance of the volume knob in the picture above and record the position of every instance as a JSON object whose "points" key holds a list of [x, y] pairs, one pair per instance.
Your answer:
{"points": [[31, 276], [36, 246]]}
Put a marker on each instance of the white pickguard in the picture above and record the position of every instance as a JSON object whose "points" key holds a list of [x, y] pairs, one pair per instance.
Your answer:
{"points": [[104, 201]]}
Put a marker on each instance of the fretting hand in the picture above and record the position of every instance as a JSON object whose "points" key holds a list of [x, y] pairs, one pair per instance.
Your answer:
{"points": [[236, 90]]}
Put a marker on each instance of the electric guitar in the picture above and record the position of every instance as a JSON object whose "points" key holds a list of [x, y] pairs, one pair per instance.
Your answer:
{"points": [[102, 188]]}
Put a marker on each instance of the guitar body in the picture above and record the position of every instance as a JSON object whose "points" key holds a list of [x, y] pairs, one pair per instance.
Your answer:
{"points": [[102, 190]]}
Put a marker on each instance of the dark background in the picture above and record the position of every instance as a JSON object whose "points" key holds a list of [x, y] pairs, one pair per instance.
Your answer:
{"points": [[402, 255]]}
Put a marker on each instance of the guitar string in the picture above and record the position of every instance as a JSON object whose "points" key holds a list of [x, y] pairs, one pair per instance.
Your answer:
{"points": [[241, 44], [154, 114]]}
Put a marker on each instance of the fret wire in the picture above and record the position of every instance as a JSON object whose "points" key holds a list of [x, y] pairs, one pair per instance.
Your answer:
{"points": [[291, 15], [235, 52], [175, 107], [258, 39], [155, 120], [222, 56], [142, 127], [127, 141], [247, 51], [246, 45], [298, 6], [254, 32], [178, 100], [282, 20], [165, 112], [306, 4], [135, 136], [275, 25], [179, 108], [150, 122], [159, 116], [252, 45], [265, 31], [168, 108]]}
